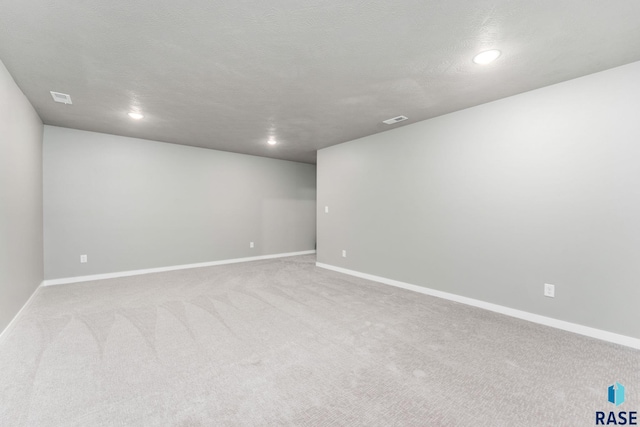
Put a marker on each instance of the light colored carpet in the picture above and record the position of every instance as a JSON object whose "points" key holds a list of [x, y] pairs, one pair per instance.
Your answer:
{"points": [[282, 342]]}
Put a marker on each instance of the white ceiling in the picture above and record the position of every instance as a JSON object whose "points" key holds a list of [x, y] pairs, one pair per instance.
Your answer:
{"points": [[313, 73]]}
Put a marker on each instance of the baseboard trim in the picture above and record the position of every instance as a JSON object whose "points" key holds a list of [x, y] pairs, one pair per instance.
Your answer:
{"points": [[79, 279], [524, 315], [7, 330]]}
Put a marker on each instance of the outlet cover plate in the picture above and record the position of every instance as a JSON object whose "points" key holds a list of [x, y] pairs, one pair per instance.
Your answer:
{"points": [[549, 290]]}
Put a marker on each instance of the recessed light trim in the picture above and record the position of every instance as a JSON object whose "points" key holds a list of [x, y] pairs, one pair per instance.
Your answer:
{"points": [[486, 57], [135, 116], [272, 141]]}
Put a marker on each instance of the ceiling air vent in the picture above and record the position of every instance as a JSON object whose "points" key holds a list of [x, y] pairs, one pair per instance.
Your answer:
{"points": [[61, 97], [395, 120]]}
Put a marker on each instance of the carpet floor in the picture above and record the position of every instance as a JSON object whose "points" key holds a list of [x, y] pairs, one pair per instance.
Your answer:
{"points": [[282, 342]]}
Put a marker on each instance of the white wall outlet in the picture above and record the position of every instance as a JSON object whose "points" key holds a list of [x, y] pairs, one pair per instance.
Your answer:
{"points": [[83, 259], [344, 253], [326, 209], [251, 244], [549, 290]]}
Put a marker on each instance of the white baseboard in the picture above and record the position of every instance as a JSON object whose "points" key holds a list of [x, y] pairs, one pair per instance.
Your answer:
{"points": [[92, 277], [524, 315], [5, 332]]}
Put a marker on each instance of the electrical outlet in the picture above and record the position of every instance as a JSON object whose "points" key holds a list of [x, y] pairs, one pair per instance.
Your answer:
{"points": [[250, 244], [83, 259], [326, 209], [549, 290], [344, 253]]}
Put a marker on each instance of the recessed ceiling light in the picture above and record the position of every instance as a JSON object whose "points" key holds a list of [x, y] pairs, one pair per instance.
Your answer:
{"points": [[136, 116], [272, 141], [486, 57]]}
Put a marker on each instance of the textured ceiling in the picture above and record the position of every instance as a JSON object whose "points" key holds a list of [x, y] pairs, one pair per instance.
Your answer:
{"points": [[314, 73]]}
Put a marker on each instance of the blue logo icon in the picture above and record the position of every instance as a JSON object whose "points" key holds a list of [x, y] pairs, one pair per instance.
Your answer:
{"points": [[616, 394]]}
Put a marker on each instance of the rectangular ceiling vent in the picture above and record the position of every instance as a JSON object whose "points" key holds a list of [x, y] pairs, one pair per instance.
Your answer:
{"points": [[395, 120], [61, 97]]}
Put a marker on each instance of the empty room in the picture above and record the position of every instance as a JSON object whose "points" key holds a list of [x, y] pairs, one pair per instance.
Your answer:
{"points": [[319, 213]]}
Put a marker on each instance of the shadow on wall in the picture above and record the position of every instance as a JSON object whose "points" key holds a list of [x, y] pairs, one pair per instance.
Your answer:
{"points": [[288, 225]]}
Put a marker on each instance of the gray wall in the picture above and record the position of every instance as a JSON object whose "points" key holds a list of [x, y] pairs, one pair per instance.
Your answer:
{"points": [[20, 199], [133, 204], [496, 200]]}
